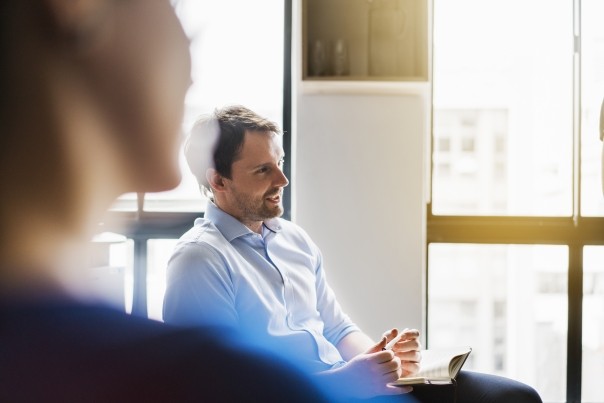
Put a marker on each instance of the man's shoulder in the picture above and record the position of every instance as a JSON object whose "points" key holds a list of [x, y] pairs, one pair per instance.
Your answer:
{"points": [[202, 229], [205, 235]]}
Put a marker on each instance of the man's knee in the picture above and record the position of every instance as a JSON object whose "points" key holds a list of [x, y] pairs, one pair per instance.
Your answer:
{"points": [[518, 393], [476, 387]]}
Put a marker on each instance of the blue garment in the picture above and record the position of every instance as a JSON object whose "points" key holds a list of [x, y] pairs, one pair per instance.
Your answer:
{"points": [[269, 287], [54, 349]]}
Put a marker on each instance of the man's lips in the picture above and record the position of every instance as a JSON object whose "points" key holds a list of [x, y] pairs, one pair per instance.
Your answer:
{"points": [[275, 198]]}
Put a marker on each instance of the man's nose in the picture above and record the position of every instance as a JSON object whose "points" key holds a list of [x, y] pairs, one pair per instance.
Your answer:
{"points": [[281, 179]]}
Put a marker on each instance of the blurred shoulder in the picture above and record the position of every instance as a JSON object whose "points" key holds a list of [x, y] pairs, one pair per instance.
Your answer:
{"points": [[75, 351]]}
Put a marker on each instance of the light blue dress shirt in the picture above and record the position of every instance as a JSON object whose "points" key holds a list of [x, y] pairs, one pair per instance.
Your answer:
{"points": [[269, 287]]}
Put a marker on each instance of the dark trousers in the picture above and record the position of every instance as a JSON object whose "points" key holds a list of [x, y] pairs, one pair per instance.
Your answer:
{"points": [[471, 387], [443, 393]]}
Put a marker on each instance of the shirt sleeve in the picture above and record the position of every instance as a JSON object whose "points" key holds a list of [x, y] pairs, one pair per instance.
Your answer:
{"points": [[337, 323], [199, 290]]}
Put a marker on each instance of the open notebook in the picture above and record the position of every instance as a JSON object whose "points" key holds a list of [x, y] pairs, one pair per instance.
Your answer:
{"points": [[437, 366]]}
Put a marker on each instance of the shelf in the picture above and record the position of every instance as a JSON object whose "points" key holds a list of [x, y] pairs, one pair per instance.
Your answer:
{"points": [[365, 40], [364, 87]]}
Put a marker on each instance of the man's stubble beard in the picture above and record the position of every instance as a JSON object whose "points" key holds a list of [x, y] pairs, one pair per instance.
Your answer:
{"points": [[254, 210]]}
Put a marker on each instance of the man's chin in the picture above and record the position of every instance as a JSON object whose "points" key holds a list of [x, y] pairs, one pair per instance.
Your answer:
{"points": [[273, 212], [278, 212]]}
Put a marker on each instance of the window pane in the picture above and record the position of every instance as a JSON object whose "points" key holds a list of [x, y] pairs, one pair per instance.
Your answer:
{"points": [[509, 302], [158, 254], [592, 79], [237, 57], [185, 197], [112, 272], [593, 324], [503, 102]]}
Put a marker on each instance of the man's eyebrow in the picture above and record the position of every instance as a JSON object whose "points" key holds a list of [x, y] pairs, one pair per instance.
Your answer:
{"points": [[263, 164]]}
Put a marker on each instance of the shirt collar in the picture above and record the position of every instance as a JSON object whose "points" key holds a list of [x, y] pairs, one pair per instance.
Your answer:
{"points": [[232, 228], [273, 224]]}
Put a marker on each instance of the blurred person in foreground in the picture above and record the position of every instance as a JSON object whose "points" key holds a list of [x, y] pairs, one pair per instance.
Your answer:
{"points": [[243, 267], [91, 101]]}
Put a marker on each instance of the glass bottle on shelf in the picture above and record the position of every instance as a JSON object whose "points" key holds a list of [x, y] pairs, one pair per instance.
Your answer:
{"points": [[340, 58]]}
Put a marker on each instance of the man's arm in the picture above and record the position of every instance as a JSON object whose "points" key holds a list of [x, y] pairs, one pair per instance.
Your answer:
{"points": [[369, 368], [353, 344]]}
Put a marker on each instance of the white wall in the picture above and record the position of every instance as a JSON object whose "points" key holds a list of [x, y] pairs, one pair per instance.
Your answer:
{"points": [[358, 184]]}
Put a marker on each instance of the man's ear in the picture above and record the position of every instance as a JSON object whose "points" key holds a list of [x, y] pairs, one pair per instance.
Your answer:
{"points": [[215, 180]]}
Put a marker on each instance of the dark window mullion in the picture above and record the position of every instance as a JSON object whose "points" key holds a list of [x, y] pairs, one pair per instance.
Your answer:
{"points": [[139, 292], [575, 324], [287, 105], [574, 350]]}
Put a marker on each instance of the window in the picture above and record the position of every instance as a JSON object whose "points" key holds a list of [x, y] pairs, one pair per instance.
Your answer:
{"points": [[593, 323], [592, 93], [516, 228], [506, 301], [238, 55], [444, 144], [467, 144]]}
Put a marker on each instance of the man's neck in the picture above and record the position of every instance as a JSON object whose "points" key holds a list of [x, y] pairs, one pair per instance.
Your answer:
{"points": [[255, 226]]}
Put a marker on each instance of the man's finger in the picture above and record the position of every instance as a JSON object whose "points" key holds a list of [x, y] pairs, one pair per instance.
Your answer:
{"points": [[410, 334], [381, 345], [411, 356], [408, 345], [391, 334]]}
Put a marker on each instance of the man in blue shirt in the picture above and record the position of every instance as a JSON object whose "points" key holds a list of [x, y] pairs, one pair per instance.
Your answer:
{"points": [[243, 267]]}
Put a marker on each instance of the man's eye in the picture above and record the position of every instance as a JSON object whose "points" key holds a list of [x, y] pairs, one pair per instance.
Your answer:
{"points": [[263, 170]]}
